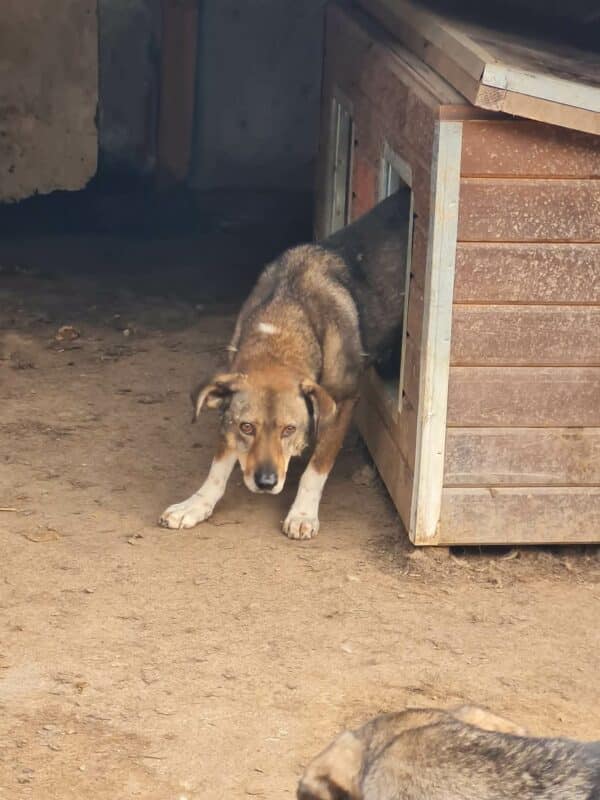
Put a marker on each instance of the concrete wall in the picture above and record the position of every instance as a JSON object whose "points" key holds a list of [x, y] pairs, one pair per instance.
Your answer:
{"points": [[259, 67], [129, 85], [48, 95]]}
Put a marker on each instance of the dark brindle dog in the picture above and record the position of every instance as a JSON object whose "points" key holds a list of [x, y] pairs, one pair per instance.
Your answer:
{"points": [[464, 754], [317, 316]]}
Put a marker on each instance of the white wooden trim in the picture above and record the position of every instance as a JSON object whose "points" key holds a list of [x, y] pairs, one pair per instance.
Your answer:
{"points": [[398, 164], [437, 326], [338, 101], [546, 87]]}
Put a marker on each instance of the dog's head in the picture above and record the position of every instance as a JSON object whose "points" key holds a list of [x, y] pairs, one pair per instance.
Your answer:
{"points": [[335, 773], [267, 417]]}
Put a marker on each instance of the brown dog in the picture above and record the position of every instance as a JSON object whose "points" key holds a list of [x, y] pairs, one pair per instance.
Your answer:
{"points": [[463, 754], [317, 316]]}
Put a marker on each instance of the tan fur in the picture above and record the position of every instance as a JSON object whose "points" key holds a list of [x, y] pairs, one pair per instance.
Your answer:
{"points": [[297, 354], [467, 753], [484, 719]]}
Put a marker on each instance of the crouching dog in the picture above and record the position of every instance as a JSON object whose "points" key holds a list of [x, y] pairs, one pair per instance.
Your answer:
{"points": [[316, 318], [462, 754]]}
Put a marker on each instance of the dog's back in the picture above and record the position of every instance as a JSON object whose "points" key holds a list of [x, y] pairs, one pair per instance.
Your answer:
{"points": [[375, 249], [425, 754]]}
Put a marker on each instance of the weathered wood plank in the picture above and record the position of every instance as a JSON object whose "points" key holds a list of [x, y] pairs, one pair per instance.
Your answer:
{"points": [[404, 92], [527, 273], [520, 105], [374, 126], [519, 516], [524, 396], [436, 335], [516, 210], [414, 318], [365, 179], [394, 470], [522, 457], [419, 252], [558, 87], [401, 425], [411, 372], [493, 335], [521, 148]]}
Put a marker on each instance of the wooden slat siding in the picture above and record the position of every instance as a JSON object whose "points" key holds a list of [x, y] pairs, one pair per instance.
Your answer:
{"points": [[419, 252], [402, 426], [524, 397], [494, 335], [527, 273], [518, 210], [368, 137], [521, 148], [533, 108], [421, 193], [520, 516], [522, 457], [372, 128], [410, 69], [365, 180], [420, 128], [430, 53], [412, 367], [364, 65], [394, 470], [363, 62], [414, 320]]}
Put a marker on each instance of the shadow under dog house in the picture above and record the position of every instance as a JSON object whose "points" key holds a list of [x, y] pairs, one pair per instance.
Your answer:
{"points": [[492, 433]]}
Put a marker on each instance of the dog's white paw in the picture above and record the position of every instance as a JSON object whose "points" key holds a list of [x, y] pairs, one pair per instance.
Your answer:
{"points": [[187, 514], [299, 525]]}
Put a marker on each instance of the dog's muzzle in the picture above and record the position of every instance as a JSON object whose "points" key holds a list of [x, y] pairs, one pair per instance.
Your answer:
{"points": [[265, 478]]}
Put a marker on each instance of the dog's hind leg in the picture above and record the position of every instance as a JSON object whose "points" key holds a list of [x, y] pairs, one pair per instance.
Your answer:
{"points": [[201, 504], [302, 522]]}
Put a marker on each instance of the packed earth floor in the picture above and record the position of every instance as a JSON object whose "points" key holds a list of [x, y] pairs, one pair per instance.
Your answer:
{"points": [[213, 663]]}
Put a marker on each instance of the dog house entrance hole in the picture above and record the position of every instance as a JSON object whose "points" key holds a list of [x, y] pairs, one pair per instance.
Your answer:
{"points": [[396, 176]]}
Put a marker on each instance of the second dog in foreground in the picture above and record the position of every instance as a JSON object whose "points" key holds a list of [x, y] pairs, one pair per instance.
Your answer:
{"points": [[462, 754]]}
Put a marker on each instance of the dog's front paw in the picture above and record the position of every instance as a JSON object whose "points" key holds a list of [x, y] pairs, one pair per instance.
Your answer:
{"points": [[299, 525], [187, 514]]}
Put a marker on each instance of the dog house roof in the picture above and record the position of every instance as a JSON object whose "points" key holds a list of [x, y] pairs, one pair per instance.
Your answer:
{"points": [[500, 71]]}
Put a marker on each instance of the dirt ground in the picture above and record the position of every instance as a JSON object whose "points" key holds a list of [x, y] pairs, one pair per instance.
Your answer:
{"points": [[213, 663]]}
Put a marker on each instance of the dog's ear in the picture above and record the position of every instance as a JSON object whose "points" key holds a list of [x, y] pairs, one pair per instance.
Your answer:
{"points": [[213, 394], [323, 405], [335, 774]]}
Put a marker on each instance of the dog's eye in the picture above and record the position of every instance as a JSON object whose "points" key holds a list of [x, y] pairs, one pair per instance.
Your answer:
{"points": [[288, 431], [247, 428]]}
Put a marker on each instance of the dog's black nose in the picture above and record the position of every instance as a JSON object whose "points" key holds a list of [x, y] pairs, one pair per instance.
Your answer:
{"points": [[265, 478]]}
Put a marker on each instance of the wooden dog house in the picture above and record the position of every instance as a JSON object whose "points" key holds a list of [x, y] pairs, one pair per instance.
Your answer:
{"points": [[493, 434]]}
